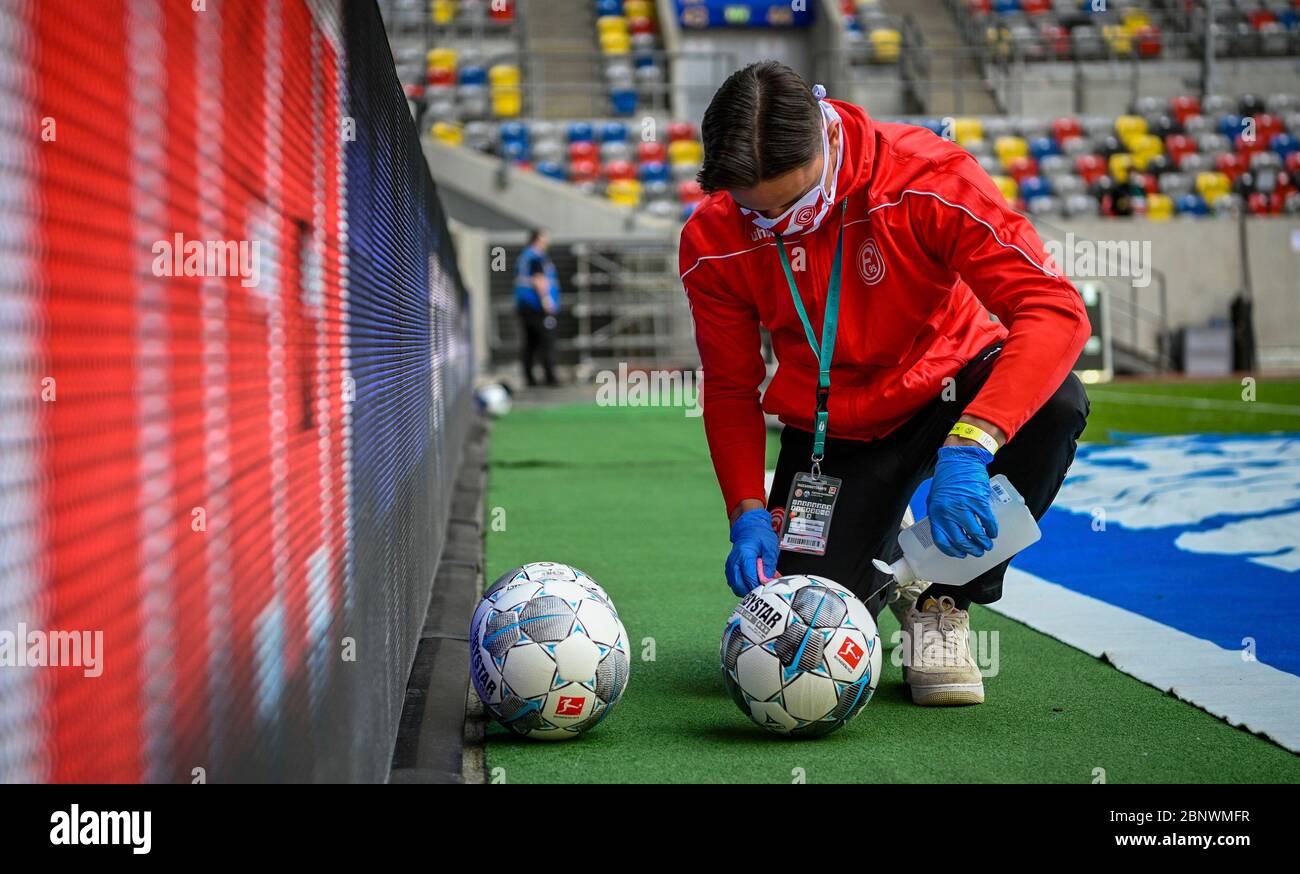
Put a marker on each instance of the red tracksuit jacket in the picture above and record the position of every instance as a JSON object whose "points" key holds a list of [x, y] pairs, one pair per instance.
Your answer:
{"points": [[932, 253]]}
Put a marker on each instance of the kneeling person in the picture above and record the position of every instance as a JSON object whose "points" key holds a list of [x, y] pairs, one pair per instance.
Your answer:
{"points": [[920, 330]]}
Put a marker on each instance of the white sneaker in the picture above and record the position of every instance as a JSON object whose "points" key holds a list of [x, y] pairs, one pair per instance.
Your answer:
{"points": [[904, 596], [937, 662]]}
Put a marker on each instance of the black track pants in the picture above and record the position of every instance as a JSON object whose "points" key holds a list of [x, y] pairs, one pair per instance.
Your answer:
{"points": [[881, 475]]}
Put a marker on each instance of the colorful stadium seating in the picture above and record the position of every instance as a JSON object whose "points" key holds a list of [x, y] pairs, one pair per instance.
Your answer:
{"points": [[1088, 30], [598, 157], [628, 35], [1163, 159], [874, 35]]}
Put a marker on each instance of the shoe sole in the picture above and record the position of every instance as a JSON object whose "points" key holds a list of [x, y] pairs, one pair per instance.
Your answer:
{"points": [[950, 695]]}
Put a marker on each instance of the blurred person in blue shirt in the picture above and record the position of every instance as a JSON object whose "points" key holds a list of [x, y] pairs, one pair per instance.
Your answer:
{"points": [[537, 299]]}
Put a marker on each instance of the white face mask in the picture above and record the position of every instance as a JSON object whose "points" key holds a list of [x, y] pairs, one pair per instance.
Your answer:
{"points": [[808, 212]]}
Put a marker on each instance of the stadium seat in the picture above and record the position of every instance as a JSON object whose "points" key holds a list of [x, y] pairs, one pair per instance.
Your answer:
{"points": [[443, 11], [615, 150], [1144, 148], [1042, 147], [583, 170], [1066, 128], [583, 150], [1009, 188], [516, 152], [1034, 187], [1022, 168], [442, 59], [552, 169], [689, 191], [1213, 185], [886, 45], [615, 170], [1090, 167], [548, 150], [1230, 164], [1149, 40], [654, 171], [611, 24], [1160, 207], [1119, 166], [507, 102], [967, 130], [624, 192], [651, 151], [685, 152], [1009, 148], [615, 43], [448, 133], [623, 101], [613, 132], [504, 75]]}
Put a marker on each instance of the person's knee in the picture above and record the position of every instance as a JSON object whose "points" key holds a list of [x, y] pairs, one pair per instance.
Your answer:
{"points": [[1066, 411]]}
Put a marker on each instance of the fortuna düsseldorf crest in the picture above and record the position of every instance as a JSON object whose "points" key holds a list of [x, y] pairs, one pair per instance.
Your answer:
{"points": [[871, 266]]}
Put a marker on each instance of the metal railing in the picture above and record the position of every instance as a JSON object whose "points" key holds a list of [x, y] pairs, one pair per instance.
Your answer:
{"points": [[966, 79], [1139, 315], [621, 302]]}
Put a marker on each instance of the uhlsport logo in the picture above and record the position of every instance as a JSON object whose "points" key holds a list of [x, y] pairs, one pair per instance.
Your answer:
{"points": [[778, 519], [871, 266], [850, 653], [804, 216]]}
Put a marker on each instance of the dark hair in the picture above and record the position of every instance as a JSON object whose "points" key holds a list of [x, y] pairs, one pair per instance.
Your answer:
{"points": [[535, 234], [762, 122]]}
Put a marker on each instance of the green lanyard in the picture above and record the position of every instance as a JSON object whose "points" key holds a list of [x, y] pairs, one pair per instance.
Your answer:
{"points": [[827, 348]]}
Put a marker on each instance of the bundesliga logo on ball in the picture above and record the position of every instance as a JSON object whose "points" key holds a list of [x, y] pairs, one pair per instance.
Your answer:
{"points": [[801, 656]]}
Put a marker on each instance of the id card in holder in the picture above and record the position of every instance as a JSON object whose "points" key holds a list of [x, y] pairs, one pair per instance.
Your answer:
{"points": [[808, 511]]}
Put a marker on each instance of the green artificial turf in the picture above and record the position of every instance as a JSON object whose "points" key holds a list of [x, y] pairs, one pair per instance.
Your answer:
{"points": [[629, 496], [1192, 408]]}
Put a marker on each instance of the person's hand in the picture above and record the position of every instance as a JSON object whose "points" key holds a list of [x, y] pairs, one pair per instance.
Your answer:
{"points": [[754, 551], [961, 503]]}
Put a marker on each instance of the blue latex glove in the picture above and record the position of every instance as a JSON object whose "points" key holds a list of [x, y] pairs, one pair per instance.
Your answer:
{"points": [[961, 503], [753, 541]]}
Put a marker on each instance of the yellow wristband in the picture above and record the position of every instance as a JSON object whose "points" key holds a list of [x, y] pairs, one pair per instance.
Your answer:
{"points": [[970, 432]]}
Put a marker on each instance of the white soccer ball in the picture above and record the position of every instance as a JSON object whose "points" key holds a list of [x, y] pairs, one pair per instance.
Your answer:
{"points": [[801, 655], [494, 399], [548, 653]]}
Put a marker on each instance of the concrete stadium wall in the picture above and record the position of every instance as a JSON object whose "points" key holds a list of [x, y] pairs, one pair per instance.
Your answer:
{"points": [[475, 261], [1203, 263], [1048, 89], [713, 54]]}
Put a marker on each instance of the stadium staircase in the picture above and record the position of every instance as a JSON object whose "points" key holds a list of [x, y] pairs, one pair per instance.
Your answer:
{"points": [[562, 67], [956, 88]]}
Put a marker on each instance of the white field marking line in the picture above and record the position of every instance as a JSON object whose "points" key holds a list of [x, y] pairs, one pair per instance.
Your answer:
{"points": [[1248, 694], [1194, 403], [1252, 695]]}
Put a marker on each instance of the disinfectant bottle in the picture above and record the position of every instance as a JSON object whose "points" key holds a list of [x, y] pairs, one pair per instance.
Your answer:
{"points": [[922, 560]]}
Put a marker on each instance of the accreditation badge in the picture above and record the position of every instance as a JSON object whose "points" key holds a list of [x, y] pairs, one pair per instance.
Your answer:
{"points": [[808, 511]]}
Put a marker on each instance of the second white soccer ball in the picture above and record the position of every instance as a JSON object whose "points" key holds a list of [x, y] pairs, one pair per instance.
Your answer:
{"points": [[548, 653]]}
